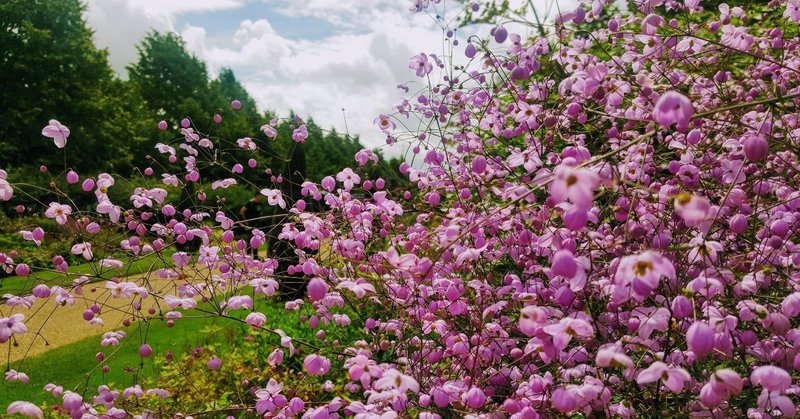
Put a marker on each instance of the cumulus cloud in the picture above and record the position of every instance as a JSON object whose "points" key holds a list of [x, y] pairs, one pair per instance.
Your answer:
{"points": [[119, 25], [355, 65]]}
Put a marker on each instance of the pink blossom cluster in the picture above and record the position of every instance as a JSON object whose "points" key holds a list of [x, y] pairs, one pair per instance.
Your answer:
{"points": [[601, 224]]}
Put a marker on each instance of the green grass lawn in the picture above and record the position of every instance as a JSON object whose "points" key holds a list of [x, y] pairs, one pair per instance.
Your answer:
{"points": [[74, 367]]}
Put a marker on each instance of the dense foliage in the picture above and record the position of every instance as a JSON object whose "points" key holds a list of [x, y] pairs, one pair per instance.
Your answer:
{"points": [[603, 223]]}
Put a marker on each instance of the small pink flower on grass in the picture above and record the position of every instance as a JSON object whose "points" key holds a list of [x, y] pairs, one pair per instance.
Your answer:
{"points": [[25, 409], [12, 325], [6, 191], [214, 363]]}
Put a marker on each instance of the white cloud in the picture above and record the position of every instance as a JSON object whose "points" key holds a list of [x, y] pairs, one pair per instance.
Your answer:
{"points": [[357, 66], [120, 25]]}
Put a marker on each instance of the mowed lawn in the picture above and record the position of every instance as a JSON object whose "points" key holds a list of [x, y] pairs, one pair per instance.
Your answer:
{"points": [[74, 366]]}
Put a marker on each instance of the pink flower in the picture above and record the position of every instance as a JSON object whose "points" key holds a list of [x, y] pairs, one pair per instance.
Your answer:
{"points": [[792, 11], [84, 249], [643, 272], [223, 183], [57, 132], [532, 319], [12, 375], [269, 131], [673, 378], [565, 400], [12, 325], [214, 363], [673, 108], [275, 358], [566, 328], [700, 338], [397, 380], [247, 143], [575, 185], [771, 378], [104, 181], [736, 37], [651, 23], [316, 364], [420, 65], [36, 235], [59, 212], [359, 287], [348, 178], [300, 134], [317, 288], [384, 123], [6, 191], [274, 197], [25, 409], [113, 211], [474, 398], [71, 401], [256, 319], [610, 356], [269, 398], [564, 264]]}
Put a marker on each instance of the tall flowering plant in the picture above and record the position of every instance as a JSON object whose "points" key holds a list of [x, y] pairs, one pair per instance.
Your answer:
{"points": [[603, 223]]}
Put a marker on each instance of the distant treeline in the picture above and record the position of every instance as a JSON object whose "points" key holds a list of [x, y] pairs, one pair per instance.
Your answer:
{"points": [[50, 68]]}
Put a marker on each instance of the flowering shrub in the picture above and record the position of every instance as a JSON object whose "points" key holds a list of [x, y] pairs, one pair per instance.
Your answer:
{"points": [[603, 224]]}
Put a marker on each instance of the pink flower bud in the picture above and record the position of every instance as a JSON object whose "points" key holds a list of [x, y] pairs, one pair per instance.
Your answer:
{"points": [[236, 105], [22, 269], [256, 319], [186, 123], [564, 264], [738, 223], [41, 291], [162, 125], [479, 165], [145, 350], [72, 177], [88, 185], [217, 118], [756, 148], [227, 236], [214, 363], [475, 398], [317, 288], [148, 171], [700, 338]]}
